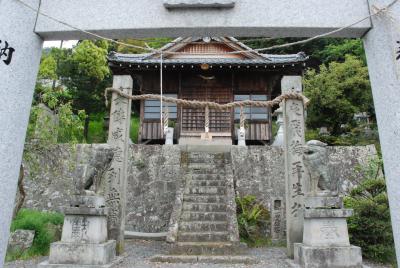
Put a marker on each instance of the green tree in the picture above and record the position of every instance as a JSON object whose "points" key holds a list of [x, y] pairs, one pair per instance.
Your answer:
{"points": [[338, 51], [370, 226], [337, 92], [86, 74], [48, 67], [323, 50]]}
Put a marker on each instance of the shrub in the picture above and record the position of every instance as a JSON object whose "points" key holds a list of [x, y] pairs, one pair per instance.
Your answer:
{"points": [[370, 226], [39, 222], [252, 218]]}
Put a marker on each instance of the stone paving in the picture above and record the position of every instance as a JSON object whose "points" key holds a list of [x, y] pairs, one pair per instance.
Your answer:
{"points": [[139, 253]]}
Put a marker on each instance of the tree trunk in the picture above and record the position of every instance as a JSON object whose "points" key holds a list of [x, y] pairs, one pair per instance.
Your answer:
{"points": [[86, 128]]}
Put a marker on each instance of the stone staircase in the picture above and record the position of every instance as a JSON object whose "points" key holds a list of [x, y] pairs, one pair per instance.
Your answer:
{"points": [[203, 226]]}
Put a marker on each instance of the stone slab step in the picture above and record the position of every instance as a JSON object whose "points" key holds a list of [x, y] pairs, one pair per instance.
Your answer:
{"points": [[206, 169], [205, 148], [207, 182], [204, 198], [203, 226], [203, 216], [206, 165], [208, 177], [204, 158], [207, 248], [217, 190], [203, 236], [206, 207], [204, 259]]}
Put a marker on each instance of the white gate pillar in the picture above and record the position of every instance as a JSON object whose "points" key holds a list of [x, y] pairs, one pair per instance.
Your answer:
{"points": [[294, 140], [116, 176], [382, 49], [17, 82]]}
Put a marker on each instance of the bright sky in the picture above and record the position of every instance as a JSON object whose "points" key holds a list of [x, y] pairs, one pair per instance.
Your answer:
{"points": [[66, 44]]}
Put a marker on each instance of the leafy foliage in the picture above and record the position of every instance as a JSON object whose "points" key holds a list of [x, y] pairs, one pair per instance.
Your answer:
{"points": [[48, 67], [354, 136], [337, 52], [134, 131], [252, 218], [66, 128], [323, 50], [84, 72], [39, 222], [337, 92], [97, 133], [370, 226]]}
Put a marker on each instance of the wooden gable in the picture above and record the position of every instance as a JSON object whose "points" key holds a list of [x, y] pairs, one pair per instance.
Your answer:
{"points": [[214, 48], [207, 50]]}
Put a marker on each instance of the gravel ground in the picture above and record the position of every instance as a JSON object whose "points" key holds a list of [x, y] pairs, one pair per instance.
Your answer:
{"points": [[139, 252]]}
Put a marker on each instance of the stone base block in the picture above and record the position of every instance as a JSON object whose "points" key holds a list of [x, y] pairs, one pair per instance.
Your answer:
{"points": [[114, 264], [326, 232], [82, 254], [83, 229], [204, 259], [323, 202], [332, 257]]}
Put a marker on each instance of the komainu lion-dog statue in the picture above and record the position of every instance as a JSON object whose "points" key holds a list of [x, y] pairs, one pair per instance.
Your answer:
{"points": [[316, 161]]}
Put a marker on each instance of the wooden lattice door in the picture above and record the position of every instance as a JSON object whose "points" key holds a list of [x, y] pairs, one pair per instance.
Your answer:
{"points": [[206, 89]]}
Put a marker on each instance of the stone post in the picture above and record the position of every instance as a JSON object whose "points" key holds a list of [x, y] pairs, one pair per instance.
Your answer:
{"points": [[18, 70], [293, 117], [116, 176], [278, 141], [277, 220], [382, 48]]}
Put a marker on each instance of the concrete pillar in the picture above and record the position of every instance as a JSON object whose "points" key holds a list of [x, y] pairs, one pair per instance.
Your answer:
{"points": [[17, 82], [382, 49], [116, 176], [293, 117]]}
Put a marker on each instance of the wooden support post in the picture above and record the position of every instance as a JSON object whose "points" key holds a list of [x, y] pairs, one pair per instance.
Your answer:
{"points": [[116, 177], [294, 140]]}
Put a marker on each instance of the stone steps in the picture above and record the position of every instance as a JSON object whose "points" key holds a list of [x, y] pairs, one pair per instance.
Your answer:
{"points": [[203, 216], [208, 190], [205, 169], [204, 157], [206, 248], [204, 207], [201, 177], [203, 236], [207, 182], [204, 259], [196, 198], [203, 226]]}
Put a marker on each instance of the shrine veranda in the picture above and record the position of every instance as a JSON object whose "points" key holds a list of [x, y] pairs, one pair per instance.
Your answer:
{"points": [[24, 31]]}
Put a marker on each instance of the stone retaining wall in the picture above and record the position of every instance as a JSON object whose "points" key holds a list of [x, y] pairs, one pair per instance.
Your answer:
{"points": [[155, 174]]}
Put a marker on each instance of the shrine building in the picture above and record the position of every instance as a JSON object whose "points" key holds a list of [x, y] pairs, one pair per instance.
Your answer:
{"points": [[218, 69]]}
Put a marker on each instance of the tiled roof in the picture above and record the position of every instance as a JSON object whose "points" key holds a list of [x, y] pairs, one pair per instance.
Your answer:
{"points": [[268, 59], [255, 59]]}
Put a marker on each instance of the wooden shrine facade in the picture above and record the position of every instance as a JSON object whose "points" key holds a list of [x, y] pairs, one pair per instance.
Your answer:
{"points": [[207, 70]]}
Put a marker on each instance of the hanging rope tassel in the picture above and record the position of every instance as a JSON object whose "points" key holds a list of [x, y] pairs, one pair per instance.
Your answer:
{"points": [[161, 94], [166, 120], [242, 119], [207, 119]]}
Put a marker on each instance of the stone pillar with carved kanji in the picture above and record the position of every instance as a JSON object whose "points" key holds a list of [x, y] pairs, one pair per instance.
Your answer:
{"points": [[116, 176], [294, 140]]}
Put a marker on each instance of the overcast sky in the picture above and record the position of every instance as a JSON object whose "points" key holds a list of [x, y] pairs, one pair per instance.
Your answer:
{"points": [[66, 44]]}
